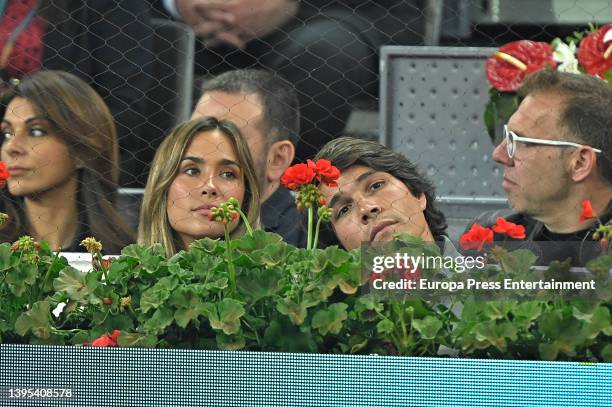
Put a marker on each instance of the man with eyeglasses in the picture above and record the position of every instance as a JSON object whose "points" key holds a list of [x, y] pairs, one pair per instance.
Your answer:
{"points": [[557, 152]]}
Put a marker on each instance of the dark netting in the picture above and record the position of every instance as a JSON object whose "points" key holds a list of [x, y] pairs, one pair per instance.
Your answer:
{"points": [[97, 93], [149, 59]]}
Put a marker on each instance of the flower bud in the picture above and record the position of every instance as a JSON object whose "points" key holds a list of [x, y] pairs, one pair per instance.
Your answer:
{"points": [[322, 201], [107, 301], [233, 202], [234, 215], [603, 243]]}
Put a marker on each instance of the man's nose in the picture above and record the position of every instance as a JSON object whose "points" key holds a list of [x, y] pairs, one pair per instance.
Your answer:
{"points": [[369, 210], [500, 154]]}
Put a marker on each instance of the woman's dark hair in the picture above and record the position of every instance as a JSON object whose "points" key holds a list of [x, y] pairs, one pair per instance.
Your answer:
{"points": [[345, 152], [82, 120]]}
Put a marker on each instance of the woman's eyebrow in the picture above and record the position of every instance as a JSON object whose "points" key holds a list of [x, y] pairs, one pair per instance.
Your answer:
{"points": [[27, 121], [200, 160]]}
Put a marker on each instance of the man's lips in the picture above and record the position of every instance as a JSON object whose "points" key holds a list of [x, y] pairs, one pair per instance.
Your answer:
{"points": [[380, 227], [508, 182], [16, 171]]}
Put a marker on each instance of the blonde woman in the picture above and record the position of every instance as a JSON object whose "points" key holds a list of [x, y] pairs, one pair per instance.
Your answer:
{"points": [[200, 165]]}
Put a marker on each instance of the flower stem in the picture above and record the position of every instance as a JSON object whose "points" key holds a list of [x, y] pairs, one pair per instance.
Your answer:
{"points": [[310, 220], [230, 263], [246, 222], [316, 236]]}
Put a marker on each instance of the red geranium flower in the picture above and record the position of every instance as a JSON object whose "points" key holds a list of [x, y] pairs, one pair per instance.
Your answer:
{"points": [[106, 264], [4, 174], [507, 68], [106, 340], [509, 229], [594, 52], [587, 211], [476, 238], [297, 175], [325, 172]]}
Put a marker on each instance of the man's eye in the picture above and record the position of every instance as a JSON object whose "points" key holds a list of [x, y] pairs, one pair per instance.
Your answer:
{"points": [[342, 211], [377, 185], [6, 134]]}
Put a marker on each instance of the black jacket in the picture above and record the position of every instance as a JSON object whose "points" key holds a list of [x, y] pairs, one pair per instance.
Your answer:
{"points": [[578, 246], [280, 215]]}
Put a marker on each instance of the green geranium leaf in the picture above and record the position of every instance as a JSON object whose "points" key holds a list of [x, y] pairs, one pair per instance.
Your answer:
{"points": [[599, 321], [331, 256], [80, 338], [143, 253], [282, 335], [161, 319], [555, 325], [601, 264], [259, 241], [224, 315], [72, 282], [528, 310], [184, 316], [519, 261], [330, 319], [155, 296], [37, 320], [369, 302], [256, 284], [296, 312], [137, 340], [272, 255], [22, 275], [385, 327], [549, 351], [217, 285], [7, 261], [208, 245], [230, 342], [491, 334], [428, 327], [606, 353]]}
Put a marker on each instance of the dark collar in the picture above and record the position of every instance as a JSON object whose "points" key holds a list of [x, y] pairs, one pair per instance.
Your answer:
{"points": [[274, 206]]}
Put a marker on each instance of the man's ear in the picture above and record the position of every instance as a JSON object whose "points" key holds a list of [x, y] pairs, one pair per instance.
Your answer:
{"points": [[582, 163], [422, 201], [280, 156]]}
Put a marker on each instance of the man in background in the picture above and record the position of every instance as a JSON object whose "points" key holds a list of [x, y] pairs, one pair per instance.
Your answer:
{"points": [[265, 109]]}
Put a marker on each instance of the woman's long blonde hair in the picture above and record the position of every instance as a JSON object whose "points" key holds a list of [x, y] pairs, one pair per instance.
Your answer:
{"points": [[154, 225]]}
